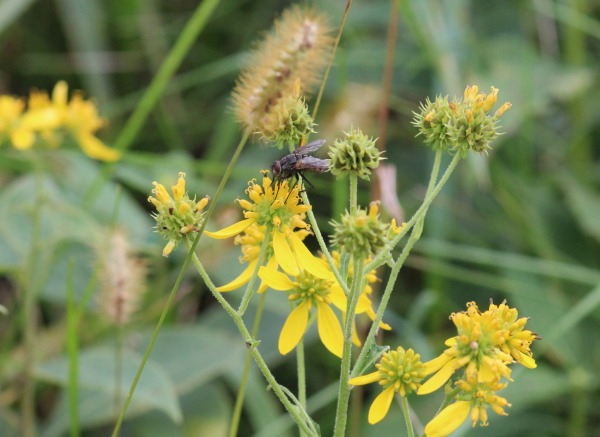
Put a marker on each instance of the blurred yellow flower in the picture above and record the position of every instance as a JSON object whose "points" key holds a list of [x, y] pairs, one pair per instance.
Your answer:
{"points": [[51, 119]]}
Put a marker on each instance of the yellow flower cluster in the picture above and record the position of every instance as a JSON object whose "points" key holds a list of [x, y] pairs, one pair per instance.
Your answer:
{"points": [[486, 345], [176, 216], [51, 120]]}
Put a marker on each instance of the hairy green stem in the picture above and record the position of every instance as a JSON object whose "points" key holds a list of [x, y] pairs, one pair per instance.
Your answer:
{"points": [[73, 354], [280, 392], [432, 191], [341, 415], [301, 368], [250, 288], [406, 410], [29, 283], [353, 177], [239, 400], [377, 260]]}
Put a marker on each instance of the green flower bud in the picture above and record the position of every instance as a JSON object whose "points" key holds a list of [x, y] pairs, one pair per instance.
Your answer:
{"points": [[360, 232], [356, 153], [432, 120], [461, 126], [289, 122]]}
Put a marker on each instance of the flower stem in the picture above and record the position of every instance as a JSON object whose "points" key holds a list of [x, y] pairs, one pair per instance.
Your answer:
{"points": [[29, 320], [376, 261], [173, 292], [72, 351], [301, 376], [415, 235], [239, 401], [353, 191], [250, 288], [298, 413], [341, 415], [406, 410]]}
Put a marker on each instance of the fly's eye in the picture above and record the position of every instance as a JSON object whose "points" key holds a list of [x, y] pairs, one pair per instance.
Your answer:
{"points": [[276, 168]]}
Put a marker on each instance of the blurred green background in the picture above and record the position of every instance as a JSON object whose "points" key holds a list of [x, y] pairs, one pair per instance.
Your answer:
{"points": [[522, 223]]}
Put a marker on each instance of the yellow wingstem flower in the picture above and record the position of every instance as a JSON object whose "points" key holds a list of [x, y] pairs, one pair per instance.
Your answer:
{"points": [[276, 208], [399, 371], [486, 344], [306, 291], [474, 397], [50, 119]]}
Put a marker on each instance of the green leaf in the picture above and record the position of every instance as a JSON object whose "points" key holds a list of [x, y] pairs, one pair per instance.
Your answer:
{"points": [[155, 389], [585, 205]]}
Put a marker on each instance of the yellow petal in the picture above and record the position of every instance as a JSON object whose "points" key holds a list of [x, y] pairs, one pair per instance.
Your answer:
{"points": [[381, 405], [449, 419], [242, 279], [22, 139], [96, 149], [527, 361], [271, 264], [293, 329], [338, 298], [230, 231], [363, 305], [365, 379], [330, 330], [274, 279], [307, 261], [437, 380], [283, 254], [60, 93], [436, 364], [42, 119]]}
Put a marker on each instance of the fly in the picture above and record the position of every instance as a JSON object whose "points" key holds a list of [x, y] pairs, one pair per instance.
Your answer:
{"points": [[296, 163]]}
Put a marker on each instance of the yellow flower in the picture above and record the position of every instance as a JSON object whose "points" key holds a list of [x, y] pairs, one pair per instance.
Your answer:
{"points": [[474, 397], [78, 117], [176, 216], [306, 291], [399, 371], [485, 346], [277, 208], [11, 127]]}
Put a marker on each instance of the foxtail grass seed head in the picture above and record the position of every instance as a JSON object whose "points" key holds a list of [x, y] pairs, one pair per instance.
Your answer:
{"points": [[122, 278], [176, 216], [296, 49], [357, 153], [463, 125], [360, 232]]}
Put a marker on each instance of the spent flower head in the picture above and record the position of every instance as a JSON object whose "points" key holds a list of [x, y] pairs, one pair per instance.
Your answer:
{"points": [[462, 125], [276, 206], [361, 232], [176, 216], [296, 49], [399, 371], [356, 153]]}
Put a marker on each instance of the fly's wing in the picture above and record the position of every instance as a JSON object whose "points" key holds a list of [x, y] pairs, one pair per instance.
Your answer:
{"points": [[310, 163], [313, 146]]}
